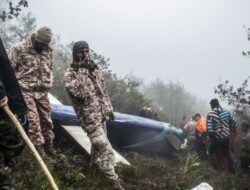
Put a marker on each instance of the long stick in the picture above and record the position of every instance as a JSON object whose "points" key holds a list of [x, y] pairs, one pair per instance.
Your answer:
{"points": [[30, 145]]}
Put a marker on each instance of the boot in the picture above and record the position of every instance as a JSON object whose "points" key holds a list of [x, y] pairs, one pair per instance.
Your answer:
{"points": [[49, 149], [40, 150], [118, 184]]}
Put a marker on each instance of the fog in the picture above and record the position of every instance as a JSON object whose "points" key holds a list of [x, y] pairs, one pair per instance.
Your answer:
{"points": [[195, 42]]}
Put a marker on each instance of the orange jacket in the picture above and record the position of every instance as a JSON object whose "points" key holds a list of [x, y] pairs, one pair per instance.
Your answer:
{"points": [[201, 125]]}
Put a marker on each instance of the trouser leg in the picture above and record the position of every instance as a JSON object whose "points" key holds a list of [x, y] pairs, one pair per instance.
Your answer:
{"points": [[35, 133], [44, 111], [228, 153], [212, 149], [102, 153]]}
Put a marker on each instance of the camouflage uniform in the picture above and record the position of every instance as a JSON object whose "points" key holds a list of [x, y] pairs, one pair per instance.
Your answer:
{"points": [[92, 105], [34, 74]]}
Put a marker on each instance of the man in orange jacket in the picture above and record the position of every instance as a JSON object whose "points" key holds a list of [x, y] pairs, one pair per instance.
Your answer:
{"points": [[200, 134]]}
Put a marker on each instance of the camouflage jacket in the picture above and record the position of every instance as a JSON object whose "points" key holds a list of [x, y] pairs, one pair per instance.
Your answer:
{"points": [[89, 97], [33, 70]]}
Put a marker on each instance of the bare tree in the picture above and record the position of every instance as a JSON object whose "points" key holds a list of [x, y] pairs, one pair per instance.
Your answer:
{"points": [[10, 9]]}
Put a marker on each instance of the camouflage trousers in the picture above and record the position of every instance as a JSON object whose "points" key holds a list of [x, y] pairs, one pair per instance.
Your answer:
{"points": [[102, 152], [39, 119]]}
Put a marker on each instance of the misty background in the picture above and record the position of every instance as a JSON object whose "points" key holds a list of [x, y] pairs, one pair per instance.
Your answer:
{"points": [[194, 42], [161, 60], [164, 55]]}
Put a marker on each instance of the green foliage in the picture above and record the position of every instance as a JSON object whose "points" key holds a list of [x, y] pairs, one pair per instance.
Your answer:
{"points": [[62, 59], [125, 94], [71, 172], [174, 100], [167, 173], [102, 62], [192, 163], [238, 98], [145, 172]]}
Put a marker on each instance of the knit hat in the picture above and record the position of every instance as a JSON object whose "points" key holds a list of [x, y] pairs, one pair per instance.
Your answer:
{"points": [[79, 45], [43, 35]]}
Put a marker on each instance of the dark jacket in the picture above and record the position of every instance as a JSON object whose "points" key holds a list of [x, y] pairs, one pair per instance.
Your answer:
{"points": [[9, 85], [2, 90]]}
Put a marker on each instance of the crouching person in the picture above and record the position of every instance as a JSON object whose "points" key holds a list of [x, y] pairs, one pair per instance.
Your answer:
{"points": [[85, 85]]}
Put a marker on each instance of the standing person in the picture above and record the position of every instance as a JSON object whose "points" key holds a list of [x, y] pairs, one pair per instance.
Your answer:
{"points": [[11, 144], [32, 61], [85, 85], [219, 124], [189, 129], [200, 134], [183, 122], [245, 149]]}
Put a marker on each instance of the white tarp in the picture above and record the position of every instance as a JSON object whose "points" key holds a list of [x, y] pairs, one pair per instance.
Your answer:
{"points": [[203, 186], [81, 137], [54, 100]]}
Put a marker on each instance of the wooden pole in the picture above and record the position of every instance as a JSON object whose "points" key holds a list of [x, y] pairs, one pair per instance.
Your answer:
{"points": [[30, 145]]}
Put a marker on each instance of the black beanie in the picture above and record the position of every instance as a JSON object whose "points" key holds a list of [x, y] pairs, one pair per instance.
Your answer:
{"points": [[79, 45]]}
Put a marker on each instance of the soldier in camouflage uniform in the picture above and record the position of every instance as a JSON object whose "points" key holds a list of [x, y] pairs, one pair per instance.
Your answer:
{"points": [[32, 61], [85, 85]]}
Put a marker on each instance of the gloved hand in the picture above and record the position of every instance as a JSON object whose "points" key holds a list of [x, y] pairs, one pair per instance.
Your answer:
{"points": [[91, 65], [111, 116]]}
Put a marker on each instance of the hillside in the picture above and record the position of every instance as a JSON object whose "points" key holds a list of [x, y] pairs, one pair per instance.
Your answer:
{"points": [[146, 173]]}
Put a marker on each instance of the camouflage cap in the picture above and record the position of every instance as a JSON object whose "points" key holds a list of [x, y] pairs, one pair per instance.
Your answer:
{"points": [[43, 35]]}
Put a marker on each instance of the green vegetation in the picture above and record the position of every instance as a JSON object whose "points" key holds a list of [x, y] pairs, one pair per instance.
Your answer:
{"points": [[192, 162], [128, 94], [145, 173]]}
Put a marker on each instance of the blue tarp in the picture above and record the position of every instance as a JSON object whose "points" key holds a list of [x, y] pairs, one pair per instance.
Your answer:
{"points": [[127, 131]]}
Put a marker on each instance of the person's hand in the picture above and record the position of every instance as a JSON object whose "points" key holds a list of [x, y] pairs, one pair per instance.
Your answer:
{"points": [[111, 116], [83, 62], [3, 101], [83, 55]]}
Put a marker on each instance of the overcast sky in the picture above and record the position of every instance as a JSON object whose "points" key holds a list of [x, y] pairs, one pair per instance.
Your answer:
{"points": [[195, 42]]}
